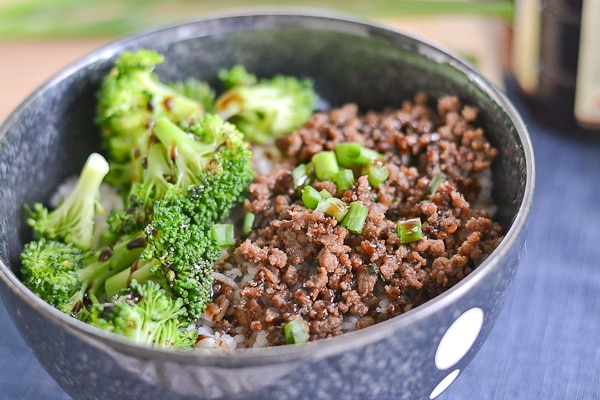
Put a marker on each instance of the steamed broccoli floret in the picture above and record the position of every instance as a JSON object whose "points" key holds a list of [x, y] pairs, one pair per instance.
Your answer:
{"points": [[130, 99], [191, 180], [181, 251], [195, 89], [66, 276], [267, 108], [212, 163], [191, 152], [210, 160], [180, 255], [49, 270], [73, 221], [237, 75], [146, 314]]}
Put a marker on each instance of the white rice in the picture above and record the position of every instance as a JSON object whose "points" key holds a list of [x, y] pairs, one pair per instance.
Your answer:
{"points": [[210, 341], [484, 199]]}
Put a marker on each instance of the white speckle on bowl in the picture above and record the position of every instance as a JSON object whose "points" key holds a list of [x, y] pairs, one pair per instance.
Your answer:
{"points": [[444, 384], [459, 338]]}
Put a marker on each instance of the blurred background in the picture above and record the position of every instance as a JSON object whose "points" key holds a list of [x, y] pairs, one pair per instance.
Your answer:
{"points": [[40, 37]]}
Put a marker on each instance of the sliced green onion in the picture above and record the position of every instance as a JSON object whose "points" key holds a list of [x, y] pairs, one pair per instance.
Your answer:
{"points": [[334, 207], [435, 183], [295, 332], [326, 165], [376, 172], [409, 230], [325, 194], [248, 223], [353, 154], [344, 179], [223, 234], [355, 219], [310, 197], [300, 176]]}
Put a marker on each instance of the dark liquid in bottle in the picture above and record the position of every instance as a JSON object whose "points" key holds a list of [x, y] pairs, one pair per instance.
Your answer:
{"points": [[553, 100]]}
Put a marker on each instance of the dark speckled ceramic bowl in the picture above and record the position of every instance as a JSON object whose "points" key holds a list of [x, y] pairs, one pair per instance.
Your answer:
{"points": [[414, 356]]}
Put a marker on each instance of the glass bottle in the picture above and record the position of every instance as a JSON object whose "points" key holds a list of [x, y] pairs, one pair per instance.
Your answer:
{"points": [[556, 62]]}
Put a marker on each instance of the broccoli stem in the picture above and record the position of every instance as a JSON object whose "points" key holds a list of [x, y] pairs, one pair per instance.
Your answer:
{"points": [[190, 152], [168, 99], [180, 144], [109, 261], [121, 280], [92, 175]]}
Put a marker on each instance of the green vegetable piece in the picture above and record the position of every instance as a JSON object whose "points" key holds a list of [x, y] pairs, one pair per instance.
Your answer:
{"points": [[146, 314], [295, 332], [334, 207], [197, 90], [376, 172], [50, 271], [267, 108], [325, 194], [326, 165], [238, 75], [223, 234], [435, 183], [355, 219], [209, 160], [248, 223], [189, 152], [73, 221], [181, 251], [63, 275], [130, 99], [352, 154], [344, 179], [300, 176], [310, 197], [409, 230]]}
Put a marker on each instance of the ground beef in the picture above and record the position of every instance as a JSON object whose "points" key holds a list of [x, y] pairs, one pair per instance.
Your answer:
{"points": [[302, 263]]}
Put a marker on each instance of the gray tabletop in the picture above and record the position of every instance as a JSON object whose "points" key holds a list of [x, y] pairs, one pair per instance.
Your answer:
{"points": [[546, 343]]}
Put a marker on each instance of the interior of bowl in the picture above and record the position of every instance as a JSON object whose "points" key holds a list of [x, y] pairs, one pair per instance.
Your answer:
{"points": [[51, 134]]}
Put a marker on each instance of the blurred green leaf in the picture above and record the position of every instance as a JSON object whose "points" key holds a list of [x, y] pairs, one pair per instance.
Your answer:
{"points": [[88, 18]]}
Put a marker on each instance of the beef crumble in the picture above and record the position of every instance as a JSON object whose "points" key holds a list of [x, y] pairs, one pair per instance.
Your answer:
{"points": [[297, 262]]}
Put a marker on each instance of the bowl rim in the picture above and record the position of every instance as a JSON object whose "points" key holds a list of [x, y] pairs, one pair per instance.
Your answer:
{"points": [[328, 346]]}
